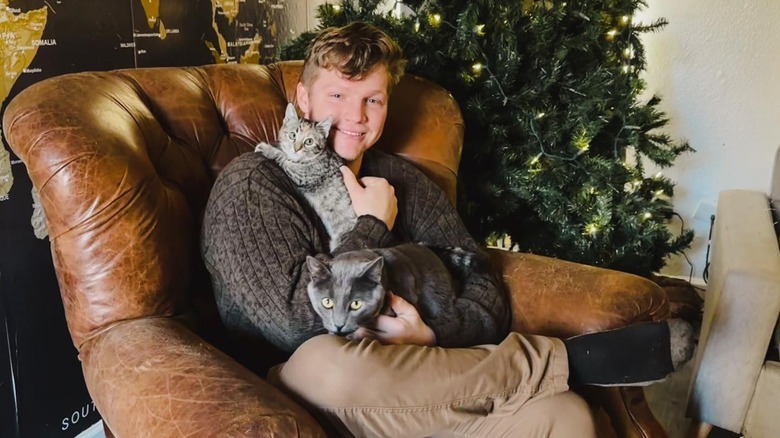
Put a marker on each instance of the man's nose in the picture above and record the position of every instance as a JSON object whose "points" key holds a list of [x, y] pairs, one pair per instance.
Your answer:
{"points": [[356, 112]]}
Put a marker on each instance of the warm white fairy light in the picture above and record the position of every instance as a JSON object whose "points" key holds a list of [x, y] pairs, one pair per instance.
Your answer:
{"points": [[476, 68], [625, 19], [337, 8], [658, 175], [540, 115], [479, 29], [632, 186], [626, 69], [591, 230], [611, 34], [535, 160], [647, 215], [434, 19]]}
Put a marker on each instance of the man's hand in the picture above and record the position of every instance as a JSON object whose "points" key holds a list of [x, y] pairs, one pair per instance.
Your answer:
{"points": [[406, 327], [371, 195]]}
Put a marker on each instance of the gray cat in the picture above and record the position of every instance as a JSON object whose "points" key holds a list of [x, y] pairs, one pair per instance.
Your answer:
{"points": [[314, 170], [351, 288]]}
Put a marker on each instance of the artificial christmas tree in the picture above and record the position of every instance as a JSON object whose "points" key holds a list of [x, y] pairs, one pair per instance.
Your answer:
{"points": [[556, 138]]}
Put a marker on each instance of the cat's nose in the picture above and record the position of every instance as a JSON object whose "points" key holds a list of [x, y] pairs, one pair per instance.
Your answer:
{"points": [[338, 329]]}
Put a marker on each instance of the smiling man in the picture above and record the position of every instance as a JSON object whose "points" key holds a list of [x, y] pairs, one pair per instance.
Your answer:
{"points": [[389, 379]]}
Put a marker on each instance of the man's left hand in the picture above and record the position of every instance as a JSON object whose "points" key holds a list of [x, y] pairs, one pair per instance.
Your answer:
{"points": [[406, 327]]}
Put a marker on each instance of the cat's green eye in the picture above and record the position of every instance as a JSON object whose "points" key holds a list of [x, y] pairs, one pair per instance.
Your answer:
{"points": [[327, 303], [308, 142], [355, 305]]}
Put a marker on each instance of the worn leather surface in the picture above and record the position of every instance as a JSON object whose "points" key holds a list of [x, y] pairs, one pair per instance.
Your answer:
{"points": [[162, 380], [124, 161]]}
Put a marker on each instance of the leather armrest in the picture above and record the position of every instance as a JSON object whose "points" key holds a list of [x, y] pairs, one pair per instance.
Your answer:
{"points": [[558, 298], [740, 309], [153, 377]]}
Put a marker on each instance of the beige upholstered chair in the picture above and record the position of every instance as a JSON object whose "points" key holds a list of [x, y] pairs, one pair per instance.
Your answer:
{"points": [[736, 384]]}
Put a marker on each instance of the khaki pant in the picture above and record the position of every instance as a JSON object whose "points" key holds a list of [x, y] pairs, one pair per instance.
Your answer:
{"points": [[516, 389]]}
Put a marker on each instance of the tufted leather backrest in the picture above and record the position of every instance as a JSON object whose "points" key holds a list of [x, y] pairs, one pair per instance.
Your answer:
{"points": [[124, 161]]}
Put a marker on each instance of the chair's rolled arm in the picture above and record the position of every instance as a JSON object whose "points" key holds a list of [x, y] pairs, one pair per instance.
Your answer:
{"points": [[559, 298], [153, 377], [740, 310]]}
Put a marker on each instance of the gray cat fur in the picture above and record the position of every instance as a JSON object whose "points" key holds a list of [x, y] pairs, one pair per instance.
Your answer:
{"points": [[313, 167], [412, 271]]}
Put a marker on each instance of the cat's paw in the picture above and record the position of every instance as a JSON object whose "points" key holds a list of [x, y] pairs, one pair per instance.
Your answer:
{"points": [[264, 148]]}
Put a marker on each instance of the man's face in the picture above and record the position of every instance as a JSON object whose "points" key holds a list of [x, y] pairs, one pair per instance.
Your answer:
{"points": [[358, 108]]}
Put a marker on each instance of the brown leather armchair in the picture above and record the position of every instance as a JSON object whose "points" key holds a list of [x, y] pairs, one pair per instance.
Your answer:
{"points": [[123, 162]]}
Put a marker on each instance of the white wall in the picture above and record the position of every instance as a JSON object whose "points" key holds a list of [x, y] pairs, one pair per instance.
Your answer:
{"points": [[717, 68]]}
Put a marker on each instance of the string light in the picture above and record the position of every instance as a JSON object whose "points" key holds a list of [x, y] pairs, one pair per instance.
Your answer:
{"points": [[628, 52], [611, 34], [626, 69], [625, 19], [434, 19], [535, 160], [540, 115], [632, 186], [582, 141], [417, 26], [647, 215], [479, 30], [658, 175], [591, 230], [476, 68], [337, 8]]}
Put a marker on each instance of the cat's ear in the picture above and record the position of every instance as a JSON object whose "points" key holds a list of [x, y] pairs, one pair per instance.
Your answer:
{"points": [[372, 270], [289, 114], [324, 125], [317, 269]]}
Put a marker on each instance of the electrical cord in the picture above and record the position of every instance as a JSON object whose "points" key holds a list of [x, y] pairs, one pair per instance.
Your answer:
{"points": [[682, 228], [705, 275]]}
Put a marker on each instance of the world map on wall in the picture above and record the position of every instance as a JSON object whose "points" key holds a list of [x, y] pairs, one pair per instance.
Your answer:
{"points": [[45, 38]]}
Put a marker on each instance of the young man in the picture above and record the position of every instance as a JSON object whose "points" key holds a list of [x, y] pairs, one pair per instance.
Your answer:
{"points": [[389, 379]]}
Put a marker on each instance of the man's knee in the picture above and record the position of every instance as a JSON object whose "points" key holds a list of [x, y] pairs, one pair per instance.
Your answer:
{"points": [[572, 417], [321, 371]]}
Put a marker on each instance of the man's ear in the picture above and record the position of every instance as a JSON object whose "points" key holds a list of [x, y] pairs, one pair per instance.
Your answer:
{"points": [[302, 99]]}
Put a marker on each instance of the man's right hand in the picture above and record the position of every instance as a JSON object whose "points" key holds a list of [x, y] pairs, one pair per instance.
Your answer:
{"points": [[371, 195]]}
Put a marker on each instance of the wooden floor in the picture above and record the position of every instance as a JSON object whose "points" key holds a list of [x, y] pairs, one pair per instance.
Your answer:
{"points": [[667, 399]]}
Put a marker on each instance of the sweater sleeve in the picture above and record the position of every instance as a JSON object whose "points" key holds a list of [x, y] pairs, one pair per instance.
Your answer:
{"points": [[256, 234], [429, 217]]}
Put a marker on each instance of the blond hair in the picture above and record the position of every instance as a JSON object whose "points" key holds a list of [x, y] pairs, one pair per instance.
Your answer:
{"points": [[353, 50]]}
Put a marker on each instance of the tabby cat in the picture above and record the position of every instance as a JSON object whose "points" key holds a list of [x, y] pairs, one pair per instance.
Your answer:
{"points": [[313, 167]]}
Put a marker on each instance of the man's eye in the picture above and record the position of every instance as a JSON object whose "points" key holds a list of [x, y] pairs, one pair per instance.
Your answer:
{"points": [[308, 142], [327, 303], [336, 95], [374, 101], [355, 305]]}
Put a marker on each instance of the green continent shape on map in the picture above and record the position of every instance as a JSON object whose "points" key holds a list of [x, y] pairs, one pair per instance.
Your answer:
{"points": [[19, 33]]}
